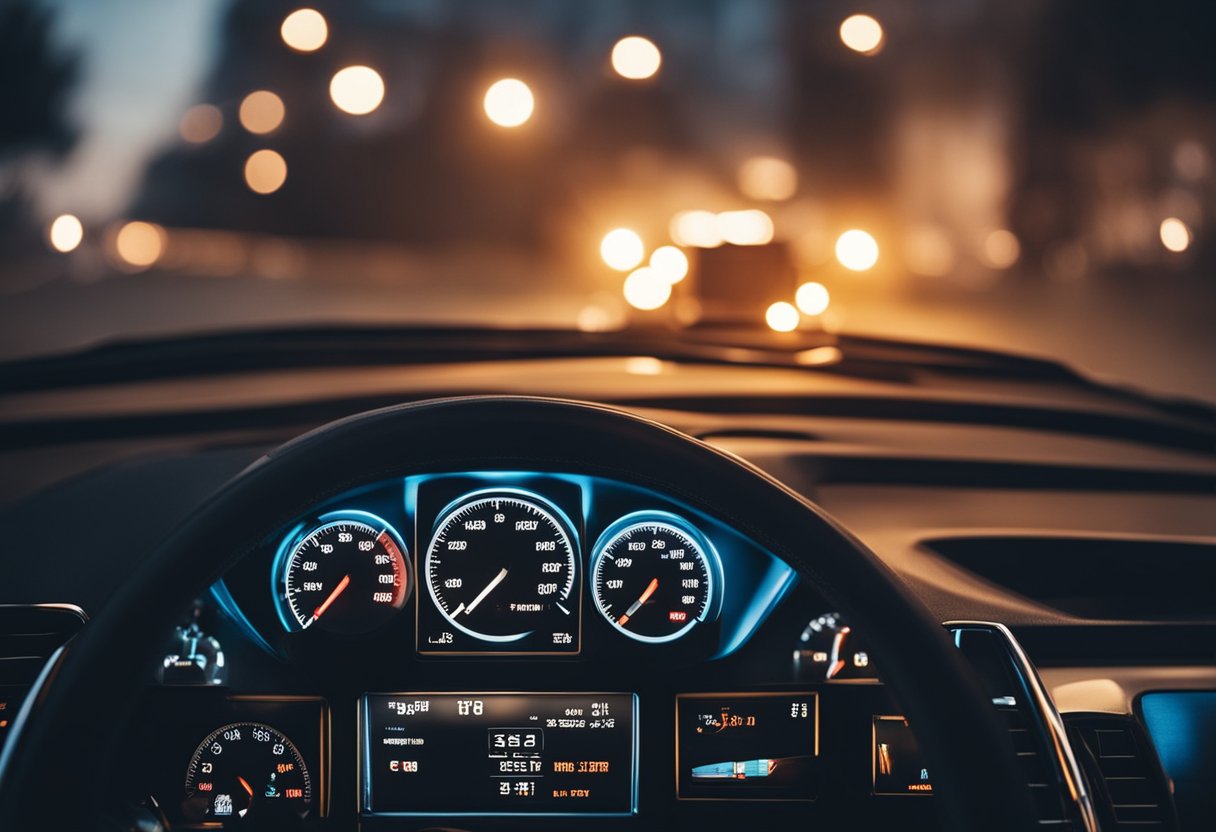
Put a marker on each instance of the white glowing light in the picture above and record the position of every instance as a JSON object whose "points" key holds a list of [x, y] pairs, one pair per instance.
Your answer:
{"points": [[622, 249], [857, 250], [812, 298], [782, 316]]}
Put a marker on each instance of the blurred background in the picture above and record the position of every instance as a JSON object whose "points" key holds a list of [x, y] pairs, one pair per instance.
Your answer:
{"points": [[1034, 176]]}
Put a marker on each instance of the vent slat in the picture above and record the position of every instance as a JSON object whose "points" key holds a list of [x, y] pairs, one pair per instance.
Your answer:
{"points": [[29, 635]]}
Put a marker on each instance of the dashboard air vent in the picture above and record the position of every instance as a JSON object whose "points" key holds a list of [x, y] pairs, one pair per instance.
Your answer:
{"points": [[1131, 790], [1035, 730], [29, 635]]}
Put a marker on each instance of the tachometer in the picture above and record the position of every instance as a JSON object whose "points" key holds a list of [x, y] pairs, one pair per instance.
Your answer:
{"points": [[246, 770], [654, 577], [348, 574], [501, 565]]}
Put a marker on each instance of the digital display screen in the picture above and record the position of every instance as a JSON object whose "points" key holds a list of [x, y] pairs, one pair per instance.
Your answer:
{"points": [[499, 753], [898, 766], [758, 746]]}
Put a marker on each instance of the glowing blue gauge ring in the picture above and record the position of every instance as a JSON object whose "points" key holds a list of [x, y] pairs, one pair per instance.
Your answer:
{"points": [[346, 571], [502, 563], [655, 577]]}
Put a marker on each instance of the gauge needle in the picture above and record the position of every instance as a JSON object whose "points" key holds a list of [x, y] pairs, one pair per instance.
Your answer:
{"points": [[245, 785], [502, 573], [333, 596], [837, 664], [645, 596]]}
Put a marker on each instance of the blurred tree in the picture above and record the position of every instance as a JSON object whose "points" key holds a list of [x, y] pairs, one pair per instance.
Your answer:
{"points": [[35, 81]]}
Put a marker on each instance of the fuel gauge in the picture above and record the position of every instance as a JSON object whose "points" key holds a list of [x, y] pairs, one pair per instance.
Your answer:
{"points": [[829, 650]]}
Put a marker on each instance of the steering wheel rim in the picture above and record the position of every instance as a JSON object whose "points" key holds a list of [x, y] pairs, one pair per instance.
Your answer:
{"points": [[92, 682]]}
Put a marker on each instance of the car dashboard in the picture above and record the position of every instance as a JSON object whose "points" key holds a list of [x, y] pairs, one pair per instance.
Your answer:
{"points": [[529, 647]]}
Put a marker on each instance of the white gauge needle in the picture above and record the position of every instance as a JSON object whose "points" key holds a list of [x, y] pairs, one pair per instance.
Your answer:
{"points": [[637, 605], [835, 663], [502, 573]]}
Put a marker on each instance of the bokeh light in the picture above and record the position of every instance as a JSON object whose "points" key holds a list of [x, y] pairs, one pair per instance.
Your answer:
{"points": [[812, 298], [768, 178], [357, 90], [261, 112], [1001, 249], [65, 233], [509, 102], [636, 58], [861, 33], [751, 227], [1175, 235], [782, 316], [698, 229], [305, 30], [201, 123], [928, 250], [857, 250], [140, 244], [265, 171], [622, 249], [646, 289], [670, 263]]}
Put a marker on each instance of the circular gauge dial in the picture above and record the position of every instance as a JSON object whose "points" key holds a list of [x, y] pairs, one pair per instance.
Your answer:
{"points": [[346, 576], [828, 649], [243, 771], [653, 578], [501, 565]]}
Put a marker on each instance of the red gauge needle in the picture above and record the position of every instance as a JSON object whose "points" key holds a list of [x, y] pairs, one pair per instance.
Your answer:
{"points": [[837, 663], [333, 596], [245, 785], [645, 596]]}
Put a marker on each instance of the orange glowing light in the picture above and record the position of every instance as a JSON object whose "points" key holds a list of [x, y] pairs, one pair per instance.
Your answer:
{"points": [[698, 229], [265, 171], [768, 178], [261, 112], [201, 123], [140, 244], [751, 227], [1001, 249]]}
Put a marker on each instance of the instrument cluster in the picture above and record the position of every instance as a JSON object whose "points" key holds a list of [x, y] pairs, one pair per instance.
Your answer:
{"points": [[506, 564]]}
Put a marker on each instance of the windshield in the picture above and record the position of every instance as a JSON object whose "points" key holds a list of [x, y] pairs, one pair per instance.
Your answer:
{"points": [[1032, 176]]}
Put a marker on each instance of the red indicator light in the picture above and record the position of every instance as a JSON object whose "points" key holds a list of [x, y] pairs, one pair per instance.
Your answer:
{"points": [[205, 787], [677, 616], [293, 793]]}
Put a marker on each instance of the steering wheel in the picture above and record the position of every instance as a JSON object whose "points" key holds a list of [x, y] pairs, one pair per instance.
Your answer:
{"points": [[84, 702]]}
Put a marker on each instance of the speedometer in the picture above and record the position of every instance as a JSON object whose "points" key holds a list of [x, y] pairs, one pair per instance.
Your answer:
{"points": [[348, 574], [654, 577], [502, 565]]}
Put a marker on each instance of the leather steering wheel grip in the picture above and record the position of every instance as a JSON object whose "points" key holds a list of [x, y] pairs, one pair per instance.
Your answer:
{"points": [[86, 701]]}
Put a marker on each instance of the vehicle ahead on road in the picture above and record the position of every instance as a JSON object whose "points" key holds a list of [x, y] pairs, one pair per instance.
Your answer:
{"points": [[424, 581]]}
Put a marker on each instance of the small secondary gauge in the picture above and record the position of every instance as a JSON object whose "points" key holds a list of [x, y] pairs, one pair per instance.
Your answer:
{"points": [[654, 577], [246, 771]]}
